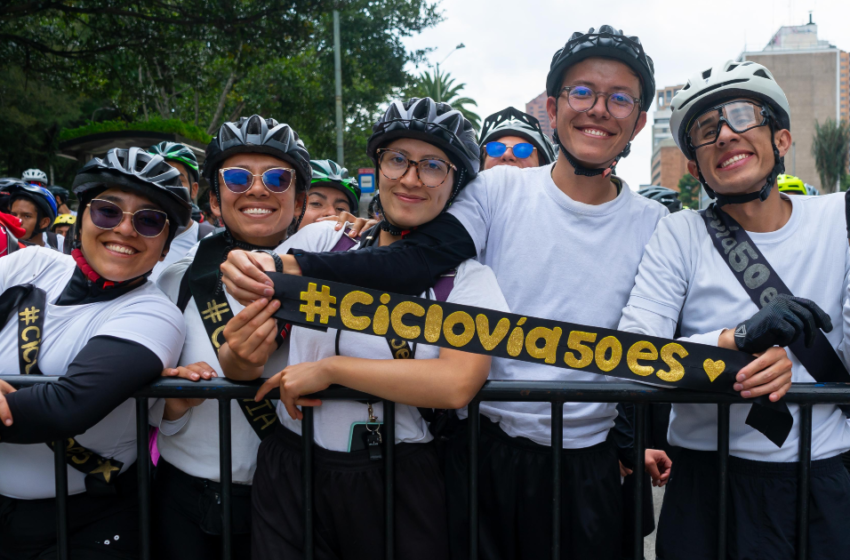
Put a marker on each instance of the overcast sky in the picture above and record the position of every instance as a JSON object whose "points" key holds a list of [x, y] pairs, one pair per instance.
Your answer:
{"points": [[509, 43]]}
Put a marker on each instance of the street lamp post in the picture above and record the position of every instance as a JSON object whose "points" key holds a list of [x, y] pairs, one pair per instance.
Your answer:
{"points": [[338, 92], [439, 80]]}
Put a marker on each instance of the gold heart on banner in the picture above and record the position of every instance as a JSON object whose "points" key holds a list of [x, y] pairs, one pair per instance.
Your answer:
{"points": [[714, 369]]}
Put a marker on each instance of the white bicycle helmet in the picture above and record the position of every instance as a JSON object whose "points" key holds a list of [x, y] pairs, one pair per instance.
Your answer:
{"points": [[34, 175], [715, 85]]}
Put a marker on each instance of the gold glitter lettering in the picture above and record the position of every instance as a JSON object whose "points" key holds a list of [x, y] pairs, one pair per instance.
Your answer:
{"points": [[433, 322], [381, 322], [491, 340], [516, 338], [641, 350], [402, 309], [551, 337], [668, 355], [349, 319], [462, 339], [608, 343], [576, 342]]}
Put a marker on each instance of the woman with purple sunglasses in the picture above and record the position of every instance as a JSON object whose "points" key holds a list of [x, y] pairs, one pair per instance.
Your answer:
{"points": [[93, 320]]}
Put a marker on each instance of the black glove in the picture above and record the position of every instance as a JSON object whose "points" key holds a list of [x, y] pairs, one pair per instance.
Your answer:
{"points": [[781, 322]]}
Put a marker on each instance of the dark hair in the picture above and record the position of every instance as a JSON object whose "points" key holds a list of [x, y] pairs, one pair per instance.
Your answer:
{"points": [[38, 211]]}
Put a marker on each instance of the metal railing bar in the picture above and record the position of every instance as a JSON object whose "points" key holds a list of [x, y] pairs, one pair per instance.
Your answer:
{"points": [[474, 426], [61, 475], [389, 479], [640, 476], [143, 470], [723, 477], [226, 477], [504, 391], [307, 479], [803, 472], [557, 446]]}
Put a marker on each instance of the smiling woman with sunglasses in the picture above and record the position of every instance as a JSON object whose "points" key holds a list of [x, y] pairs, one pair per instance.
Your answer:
{"points": [[425, 153], [93, 320], [258, 170]]}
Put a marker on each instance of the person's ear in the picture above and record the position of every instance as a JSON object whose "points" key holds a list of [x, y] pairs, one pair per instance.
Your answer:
{"points": [[783, 140], [552, 112], [214, 206], [194, 191], [300, 198], [44, 224], [692, 169], [641, 122]]}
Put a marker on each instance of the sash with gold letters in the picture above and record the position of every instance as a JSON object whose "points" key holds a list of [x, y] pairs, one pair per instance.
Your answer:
{"points": [[208, 293], [29, 304]]}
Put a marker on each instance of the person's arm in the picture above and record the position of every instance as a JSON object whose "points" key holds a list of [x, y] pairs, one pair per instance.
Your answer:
{"points": [[450, 381], [105, 373]]}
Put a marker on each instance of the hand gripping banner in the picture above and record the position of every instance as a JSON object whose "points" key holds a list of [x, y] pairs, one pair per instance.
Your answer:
{"points": [[321, 304]]}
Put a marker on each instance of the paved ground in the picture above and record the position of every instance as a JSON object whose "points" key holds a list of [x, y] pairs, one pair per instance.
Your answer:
{"points": [[649, 542]]}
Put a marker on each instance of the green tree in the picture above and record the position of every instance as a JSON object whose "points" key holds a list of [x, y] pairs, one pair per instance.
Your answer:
{"points": [[689, 191], [440, 86], [831, 149]]}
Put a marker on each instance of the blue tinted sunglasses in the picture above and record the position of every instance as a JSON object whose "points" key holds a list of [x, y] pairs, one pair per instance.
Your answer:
{"points": [[238, 180], [520, 151]]}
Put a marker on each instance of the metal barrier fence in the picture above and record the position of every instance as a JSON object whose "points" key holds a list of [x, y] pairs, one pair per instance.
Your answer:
{"points": [[556, 393]]}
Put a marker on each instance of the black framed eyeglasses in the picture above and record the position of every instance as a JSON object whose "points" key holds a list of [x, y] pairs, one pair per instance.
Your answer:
{"points": [[432, 172], [619, 104], [740, 115]]}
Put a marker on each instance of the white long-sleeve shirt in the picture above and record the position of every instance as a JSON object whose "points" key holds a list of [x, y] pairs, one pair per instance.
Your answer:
{"points": [[682, 271]]}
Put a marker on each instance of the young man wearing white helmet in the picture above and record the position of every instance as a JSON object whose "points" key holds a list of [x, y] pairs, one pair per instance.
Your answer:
{"points": [[732, 277], [565, 241]]}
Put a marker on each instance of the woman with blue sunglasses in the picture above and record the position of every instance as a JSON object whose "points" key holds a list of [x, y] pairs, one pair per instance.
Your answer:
{"points": [[511, 137]]}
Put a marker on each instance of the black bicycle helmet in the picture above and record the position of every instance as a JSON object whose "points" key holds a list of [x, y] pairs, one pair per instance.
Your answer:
{"points": [[513, 122], [436, 123], [605, 43], [59, 193], [327, 173], [137, 170], [39, 196], [667, 197], [173, 151], [257, 135]]}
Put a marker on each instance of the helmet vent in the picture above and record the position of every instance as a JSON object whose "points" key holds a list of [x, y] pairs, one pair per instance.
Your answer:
{"points": [[731, 67], [761, 73], [707, 74]]}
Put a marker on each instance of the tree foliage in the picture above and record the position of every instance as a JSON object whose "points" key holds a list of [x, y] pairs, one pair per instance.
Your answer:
{"points": [[440, 86], [831, 149], [689, 191], [206, 62]]}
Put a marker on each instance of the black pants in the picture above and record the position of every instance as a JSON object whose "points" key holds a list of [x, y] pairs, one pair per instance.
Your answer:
{"points": [[761, 518], [515, 498], [348, 503], [187, 517], [100, 528]]}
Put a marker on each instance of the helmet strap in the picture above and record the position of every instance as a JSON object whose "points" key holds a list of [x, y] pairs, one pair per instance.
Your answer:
{"points": [[761, 194]]}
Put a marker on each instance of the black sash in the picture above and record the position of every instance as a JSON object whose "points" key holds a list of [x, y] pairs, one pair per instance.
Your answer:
{"points": [[205, 286], [762, 283], [30, 303]]}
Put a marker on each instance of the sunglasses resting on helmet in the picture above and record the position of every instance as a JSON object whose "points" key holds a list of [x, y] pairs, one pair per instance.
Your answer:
{"points": [[276, 180], [108, 215]]}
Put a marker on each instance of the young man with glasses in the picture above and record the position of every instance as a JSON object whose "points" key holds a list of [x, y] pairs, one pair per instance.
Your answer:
{"points": [[511, 137], [736, 276], [565, 241]]}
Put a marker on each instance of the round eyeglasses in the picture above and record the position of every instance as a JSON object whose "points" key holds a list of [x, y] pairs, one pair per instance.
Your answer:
{"points": [[619, 104], [432, 172]]}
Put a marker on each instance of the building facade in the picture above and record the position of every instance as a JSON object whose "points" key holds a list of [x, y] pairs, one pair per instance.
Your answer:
{"points": [[815, 76], [668, 163], [537, 109]]}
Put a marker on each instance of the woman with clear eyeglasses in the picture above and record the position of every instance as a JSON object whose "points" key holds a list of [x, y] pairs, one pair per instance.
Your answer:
{"points": [[425, 153]]}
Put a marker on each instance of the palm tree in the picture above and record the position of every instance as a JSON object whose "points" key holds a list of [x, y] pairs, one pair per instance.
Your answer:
{"points": [[831, 149], [439, 86]]}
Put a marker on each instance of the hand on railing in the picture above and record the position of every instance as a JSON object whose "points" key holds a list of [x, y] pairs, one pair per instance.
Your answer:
{"points": [[5, 413], [251, 340], [176, 407], [768, 374], [301, 379]]}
